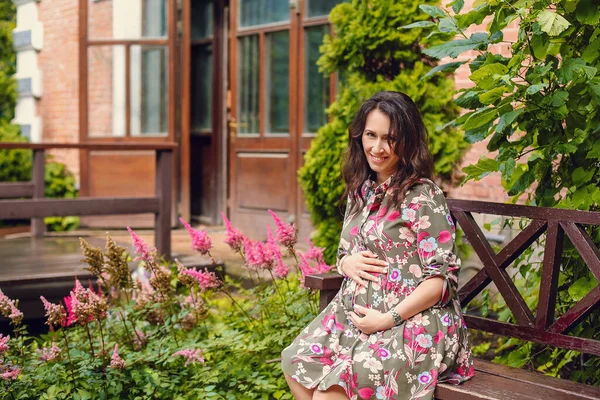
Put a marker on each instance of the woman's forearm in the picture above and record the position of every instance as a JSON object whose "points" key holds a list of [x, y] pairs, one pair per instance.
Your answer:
{"points": [[427, 294]]}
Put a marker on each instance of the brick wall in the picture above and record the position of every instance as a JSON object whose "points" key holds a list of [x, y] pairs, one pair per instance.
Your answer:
{"points": [[59, 106]]}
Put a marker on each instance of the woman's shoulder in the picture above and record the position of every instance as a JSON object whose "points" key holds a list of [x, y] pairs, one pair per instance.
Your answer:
{"points": [[424, 190]]}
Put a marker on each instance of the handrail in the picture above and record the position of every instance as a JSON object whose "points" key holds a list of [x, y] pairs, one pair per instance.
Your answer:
{"points": [[36, 207], [91, 146]]}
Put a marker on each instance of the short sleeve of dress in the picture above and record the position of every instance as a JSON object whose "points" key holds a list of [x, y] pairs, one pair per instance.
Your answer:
{"points": [[435, 233]]}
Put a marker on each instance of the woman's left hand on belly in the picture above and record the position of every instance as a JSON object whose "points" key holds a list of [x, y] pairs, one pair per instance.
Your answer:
{"points": [[372, 320]]}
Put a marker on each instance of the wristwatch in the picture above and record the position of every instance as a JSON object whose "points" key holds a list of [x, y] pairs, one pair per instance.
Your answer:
{"points": [[397, 317]]}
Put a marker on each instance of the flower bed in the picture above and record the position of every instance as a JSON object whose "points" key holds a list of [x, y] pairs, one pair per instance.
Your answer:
{"points": [[170, 333]]}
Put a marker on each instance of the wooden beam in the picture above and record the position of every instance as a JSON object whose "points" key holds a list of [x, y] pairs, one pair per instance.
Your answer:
{"points": [[39, 160], [162, 220], [121, 146], [15, 190], [39, 208]]}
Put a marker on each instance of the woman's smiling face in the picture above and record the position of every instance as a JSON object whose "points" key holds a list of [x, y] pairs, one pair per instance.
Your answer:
{"points": [[380, 155]]}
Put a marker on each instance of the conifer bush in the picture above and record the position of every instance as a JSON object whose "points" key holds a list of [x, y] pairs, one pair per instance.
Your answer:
{"points": [[371, 53]]}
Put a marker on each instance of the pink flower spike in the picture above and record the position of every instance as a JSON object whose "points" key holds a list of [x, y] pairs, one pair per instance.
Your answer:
{"points": [[233, 238], [49, 354], [145, 253], [281, 270], [117, 362], [200, 240], [4, 343], [55, 313], [10, 374], [286, 233], [190, 355], [315, 253], [206, 280]]}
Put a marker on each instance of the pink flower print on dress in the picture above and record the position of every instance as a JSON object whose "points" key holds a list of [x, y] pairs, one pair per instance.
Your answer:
{"points": [[444, 237], [427, 246], [316, 348], [366, 393], [382, 211], [409, 214], [438, 336], [416, 270], [394, 275], [384, 353], [354, 231], [424, 341], [200, 240], [446, 320], [424, 378], [393, 215]]}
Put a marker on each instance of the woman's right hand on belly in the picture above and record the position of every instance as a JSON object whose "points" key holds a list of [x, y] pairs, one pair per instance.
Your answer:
{"points": [[363, 266]]}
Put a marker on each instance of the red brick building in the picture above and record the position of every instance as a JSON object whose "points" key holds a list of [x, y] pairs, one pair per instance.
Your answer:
{"points": [[229, 81]]}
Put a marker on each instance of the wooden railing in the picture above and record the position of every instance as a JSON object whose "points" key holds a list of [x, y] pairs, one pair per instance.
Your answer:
{"points": [[36, 207], [542, 327]]}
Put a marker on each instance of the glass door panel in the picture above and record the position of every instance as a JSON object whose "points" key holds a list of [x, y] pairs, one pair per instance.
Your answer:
{"points": [[277, 71]]}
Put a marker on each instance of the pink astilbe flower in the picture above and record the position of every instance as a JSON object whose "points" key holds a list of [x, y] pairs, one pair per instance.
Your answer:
{"points": [[8, 308], [258, 255], [10, 373], [234, 238], [305, 268], [281, 270], [139, 339], [315, 254], [144, 253], [286, 233], [205, 279], [4, 344], [84, 305], [190, 355], [49, 354], [116, 361], [200, 240], [55, 313]]}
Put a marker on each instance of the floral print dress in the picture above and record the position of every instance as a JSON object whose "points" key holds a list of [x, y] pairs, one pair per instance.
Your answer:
{"points": [[407, 361]]}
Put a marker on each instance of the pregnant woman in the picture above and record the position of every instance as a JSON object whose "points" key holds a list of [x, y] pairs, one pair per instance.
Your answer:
{"points": [[395, 328]]}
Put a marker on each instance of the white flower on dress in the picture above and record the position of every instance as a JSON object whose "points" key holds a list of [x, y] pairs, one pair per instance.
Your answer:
{"points": [[373, 364], [407, 234], [416, 270]]}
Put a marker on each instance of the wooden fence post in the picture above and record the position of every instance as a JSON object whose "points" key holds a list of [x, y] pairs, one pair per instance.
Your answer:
{"points": [[37, 224], [162, 219]]}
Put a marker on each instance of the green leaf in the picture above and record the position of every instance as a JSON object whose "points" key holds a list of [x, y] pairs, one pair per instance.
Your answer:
{"points": [[591, 51], [582, 176], [432, 10], [420, 24], [469, 99], [475, 16], [581, 287], [540, 44], [559, 98], [477, 135], [480, 118], [457, 5], [483, 167], [552, 23], [454, 48], [575, 67], [449, 67], [492, 95], [488, 75], [594, 152], [588, 12], [507, 119], [533, 89]]}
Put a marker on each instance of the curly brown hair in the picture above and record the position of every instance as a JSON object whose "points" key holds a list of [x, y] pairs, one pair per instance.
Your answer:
{"points": [[407, 137]]}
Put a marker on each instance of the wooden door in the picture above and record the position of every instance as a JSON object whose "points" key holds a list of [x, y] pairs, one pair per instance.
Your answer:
{"points": [[263, 130], [127, 73], [278, 101]]}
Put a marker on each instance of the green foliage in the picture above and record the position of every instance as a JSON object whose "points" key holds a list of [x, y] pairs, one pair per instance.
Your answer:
{"points": [[371, 53], [240, 337]]}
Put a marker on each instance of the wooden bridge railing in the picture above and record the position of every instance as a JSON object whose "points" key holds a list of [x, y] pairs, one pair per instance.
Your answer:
{"points": [[36, 207], [541, 327]]}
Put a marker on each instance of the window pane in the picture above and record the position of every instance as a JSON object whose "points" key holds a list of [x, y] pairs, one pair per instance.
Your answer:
{"points": [[317, 8], [149, 91], [258, 12], [316, 86], [202, 73], [202, 19], [106, 91], [127, 19], [277, 81], [248, 82]]}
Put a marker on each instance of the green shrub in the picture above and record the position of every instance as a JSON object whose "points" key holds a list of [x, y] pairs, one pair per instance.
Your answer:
{"points": [[372, 54], [539, 109]]}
